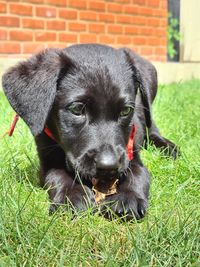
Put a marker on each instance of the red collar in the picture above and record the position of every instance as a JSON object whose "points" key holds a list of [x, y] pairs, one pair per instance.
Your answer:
{"points": [[129, 147], [49, 134]]}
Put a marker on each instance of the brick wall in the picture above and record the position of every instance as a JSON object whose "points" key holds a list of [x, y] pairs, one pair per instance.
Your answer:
{"points": [[31, 25]]}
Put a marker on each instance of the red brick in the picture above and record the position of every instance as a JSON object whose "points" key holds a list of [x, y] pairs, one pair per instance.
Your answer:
{"points": [[135, 48], [160, 32], [146, 50], [146, 31], [146, 11], [106, 17], [160, 12], [68, 14], [98, 28], [32, 23], [153, 41], [68, 38], [111, 22], [139, 41], [163, 22], [153, 22], [139, 2], [123, 1], [163, 40], [33, 1], [88, 38], [56, 2], [160, 51], [164, 4], [107, 39], [131, 30], [2, 8], [45, 36], [73, 26], [3, 34], [113, 7], [88, 15], [153, 3], [9, 21], [115, 28], [123, 40], [139, 20], [30, 48], [21, 9], [131, 10], [9, 48], [100, 6], [21, 35], [124, 19], [48, 12], [55, 25], [78, 4], [55, 45]]}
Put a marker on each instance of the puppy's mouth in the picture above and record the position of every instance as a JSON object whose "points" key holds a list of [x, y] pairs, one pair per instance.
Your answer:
{"points": [[104, 181], [104, 186]]}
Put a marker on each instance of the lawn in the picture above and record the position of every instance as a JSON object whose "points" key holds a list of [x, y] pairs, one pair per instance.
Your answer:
{"points": [[168, 236]]}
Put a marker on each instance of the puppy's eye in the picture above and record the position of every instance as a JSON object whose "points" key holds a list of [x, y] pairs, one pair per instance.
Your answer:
{"points": [[126, 111], [77, 109]]}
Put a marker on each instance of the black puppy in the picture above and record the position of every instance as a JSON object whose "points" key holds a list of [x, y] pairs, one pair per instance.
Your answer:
{"points": [[87, 98]]}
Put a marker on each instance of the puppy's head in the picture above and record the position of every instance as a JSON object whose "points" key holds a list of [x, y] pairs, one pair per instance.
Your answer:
{"points": [[86, 96]]}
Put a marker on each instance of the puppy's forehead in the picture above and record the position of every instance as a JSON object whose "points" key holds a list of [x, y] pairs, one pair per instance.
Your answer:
{"points": [[100, 72], [101, 59]]}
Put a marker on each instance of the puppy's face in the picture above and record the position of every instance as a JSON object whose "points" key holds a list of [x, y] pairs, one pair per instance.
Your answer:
{"points": [[86, 95], [92, 117]]}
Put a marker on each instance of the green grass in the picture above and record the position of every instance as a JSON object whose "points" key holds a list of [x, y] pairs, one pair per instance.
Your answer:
{"points": [[168, 236]]}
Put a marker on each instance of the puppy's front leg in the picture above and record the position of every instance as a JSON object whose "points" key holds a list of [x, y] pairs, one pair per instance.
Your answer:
{"points": [[131, 199], [63, 189]]}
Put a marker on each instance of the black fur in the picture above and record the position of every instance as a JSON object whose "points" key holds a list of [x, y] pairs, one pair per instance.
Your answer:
{"points": [[100, 82]]}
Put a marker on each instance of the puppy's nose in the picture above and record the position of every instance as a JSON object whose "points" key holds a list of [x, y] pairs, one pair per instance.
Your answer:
{"points": [[107, 162]]}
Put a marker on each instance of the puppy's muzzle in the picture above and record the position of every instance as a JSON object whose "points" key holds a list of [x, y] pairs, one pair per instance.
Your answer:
{"points": [[105, 162], [108, 164]]}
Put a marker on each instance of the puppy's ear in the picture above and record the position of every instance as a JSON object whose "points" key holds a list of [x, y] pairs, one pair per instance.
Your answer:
{"points": [[145, 78], [31, 86]]}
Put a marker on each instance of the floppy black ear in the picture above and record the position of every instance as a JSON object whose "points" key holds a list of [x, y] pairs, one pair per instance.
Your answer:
{"points": [[145, 75], [31, 86]]}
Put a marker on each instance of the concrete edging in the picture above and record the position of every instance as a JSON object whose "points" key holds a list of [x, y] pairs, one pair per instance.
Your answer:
{"points": [[169, 72]]}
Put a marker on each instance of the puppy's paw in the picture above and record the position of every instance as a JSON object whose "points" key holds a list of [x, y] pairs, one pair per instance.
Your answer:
{"points": [[170, 149], [80, 198], [77, 198], [124, 204], [174, 151]]}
